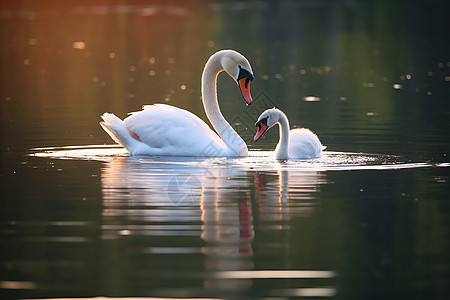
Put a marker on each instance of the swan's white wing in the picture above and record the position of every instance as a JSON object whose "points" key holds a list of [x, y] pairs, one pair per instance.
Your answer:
{"points": [[172, 131], [303, 143], [164, 108]]}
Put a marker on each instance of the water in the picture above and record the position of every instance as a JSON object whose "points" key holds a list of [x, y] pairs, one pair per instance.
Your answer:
{"points": [[80, 218]]}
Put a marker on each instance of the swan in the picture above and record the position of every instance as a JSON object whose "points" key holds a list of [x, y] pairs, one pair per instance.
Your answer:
{"points": [[162, 129], [296, 143]]}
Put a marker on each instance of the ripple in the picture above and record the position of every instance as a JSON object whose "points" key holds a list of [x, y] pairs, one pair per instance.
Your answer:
{"points": [[88, 152], [257, 160]]}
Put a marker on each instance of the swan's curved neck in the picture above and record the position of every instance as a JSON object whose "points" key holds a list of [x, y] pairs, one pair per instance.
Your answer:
{"points": [[234, 142], [283, 144]]}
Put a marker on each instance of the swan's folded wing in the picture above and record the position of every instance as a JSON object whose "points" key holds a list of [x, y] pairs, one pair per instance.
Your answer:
{"points": [[303, 143], [175, 130], [165, 108]]}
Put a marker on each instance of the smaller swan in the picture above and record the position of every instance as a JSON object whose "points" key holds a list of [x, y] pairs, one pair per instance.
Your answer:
{"points": [[297, 143]]}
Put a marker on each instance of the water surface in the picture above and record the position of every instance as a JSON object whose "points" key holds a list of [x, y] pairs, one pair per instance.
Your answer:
{"points": [[80, 218]]}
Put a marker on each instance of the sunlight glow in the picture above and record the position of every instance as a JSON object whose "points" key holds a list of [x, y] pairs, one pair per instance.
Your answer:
{"points": [[311, 98], [314, 292], [79, 45], [17, 285], [32, 42], [258, 274]]}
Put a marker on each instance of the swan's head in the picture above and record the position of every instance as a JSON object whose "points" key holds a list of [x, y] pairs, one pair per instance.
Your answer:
{"points": [[238, 67], [266, 120]]}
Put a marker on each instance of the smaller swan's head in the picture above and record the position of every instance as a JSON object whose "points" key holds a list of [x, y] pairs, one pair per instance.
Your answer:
{"points": [[266, 120], [238, 67]]}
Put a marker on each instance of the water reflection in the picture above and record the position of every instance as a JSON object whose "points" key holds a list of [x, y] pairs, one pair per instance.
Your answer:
{"points": [[283, 194], [216, 225], [185, 189], [189, 199]]}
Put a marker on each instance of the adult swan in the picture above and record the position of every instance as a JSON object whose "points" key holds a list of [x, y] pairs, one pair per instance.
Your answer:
{"points": [[162, 129]]}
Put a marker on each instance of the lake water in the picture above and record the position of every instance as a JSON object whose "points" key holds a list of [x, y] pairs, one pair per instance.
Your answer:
{"points": [[368, 220]]}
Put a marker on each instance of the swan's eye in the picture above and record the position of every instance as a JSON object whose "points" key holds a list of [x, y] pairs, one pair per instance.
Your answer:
{"points": [[243, 73]]}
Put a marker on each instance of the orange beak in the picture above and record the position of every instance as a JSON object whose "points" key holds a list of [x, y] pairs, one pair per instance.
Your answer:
{"points": [[244, 85], [261, 129]]}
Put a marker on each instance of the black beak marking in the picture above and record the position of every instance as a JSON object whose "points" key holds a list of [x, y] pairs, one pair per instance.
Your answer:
{"points": [[243, 73], [263, 120]]}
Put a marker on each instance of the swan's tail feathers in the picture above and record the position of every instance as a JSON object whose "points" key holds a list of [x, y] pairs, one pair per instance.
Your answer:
{"points": [[117, 130], [324, 147]]}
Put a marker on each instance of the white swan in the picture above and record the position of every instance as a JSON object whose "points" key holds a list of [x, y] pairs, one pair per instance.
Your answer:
{"points": [[297, 143], [162, 129]]}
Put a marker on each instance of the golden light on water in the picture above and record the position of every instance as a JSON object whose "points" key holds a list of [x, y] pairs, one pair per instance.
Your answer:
{"points": [[16, 285], [79, 45], [260, 274], [311, 98]]}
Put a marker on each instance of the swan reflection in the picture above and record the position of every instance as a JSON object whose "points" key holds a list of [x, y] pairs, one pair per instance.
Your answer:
{"points": [[204, 200], [178, 190]]}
